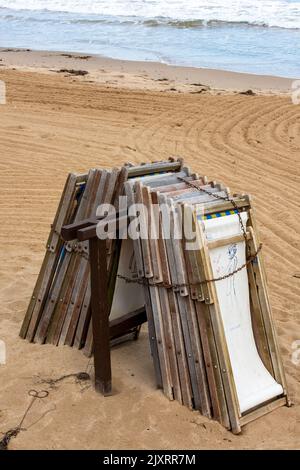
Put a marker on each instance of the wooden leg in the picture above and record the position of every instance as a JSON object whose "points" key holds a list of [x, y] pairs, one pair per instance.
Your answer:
{"points": [[100, 316]]}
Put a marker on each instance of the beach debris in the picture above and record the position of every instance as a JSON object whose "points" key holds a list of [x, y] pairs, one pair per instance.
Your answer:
{"points": [[79, 376], [204, 297], [73, 72], [12, 433], [297, 275], [8, 436], [248, 93], [198, 91], [199, 84], [202, 88], [15, 50], [72, 56]]}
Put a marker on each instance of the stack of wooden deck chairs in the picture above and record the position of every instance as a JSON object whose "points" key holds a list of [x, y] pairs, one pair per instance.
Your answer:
{"points": [[189, 342]]}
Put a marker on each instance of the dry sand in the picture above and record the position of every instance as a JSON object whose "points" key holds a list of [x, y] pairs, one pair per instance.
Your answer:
{"points": [[56, 123]]}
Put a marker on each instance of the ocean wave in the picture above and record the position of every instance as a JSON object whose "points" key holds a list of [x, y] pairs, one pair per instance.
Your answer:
{"points": [[200, 23], [68, 18], [196, 13]]}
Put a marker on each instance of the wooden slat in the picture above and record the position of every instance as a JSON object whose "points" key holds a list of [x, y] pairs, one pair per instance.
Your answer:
{"points": [[262, 410], [170, 342], [57, 305], [147, 260], [78, 282], [65, 208], [151, 168], [47, 271], [257, 322], [75, 302], [267, 315], [120, 326], [166, 279], [84, 318], [153, 231], [153, 338], [58, 288], [136, 243], [161, 343], [184, 375], [228, 241], [37, 298], [155, 313], [210, 357]]}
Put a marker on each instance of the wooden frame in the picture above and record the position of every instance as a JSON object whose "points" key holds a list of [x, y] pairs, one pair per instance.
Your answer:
{"points": [[265, 340]]}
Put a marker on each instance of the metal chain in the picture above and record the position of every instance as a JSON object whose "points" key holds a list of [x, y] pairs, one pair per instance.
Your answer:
{"points": [[250, 258], [145, 281], [221, 198]]}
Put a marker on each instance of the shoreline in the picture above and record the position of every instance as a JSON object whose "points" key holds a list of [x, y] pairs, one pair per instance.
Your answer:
{"points": [[144, 75]]}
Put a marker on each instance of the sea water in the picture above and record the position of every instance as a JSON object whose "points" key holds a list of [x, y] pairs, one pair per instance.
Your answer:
{"points": [[257, 36]]}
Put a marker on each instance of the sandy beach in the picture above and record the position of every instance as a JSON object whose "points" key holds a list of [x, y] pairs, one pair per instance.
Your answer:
{"points": [[57, 120], [142, 75]]}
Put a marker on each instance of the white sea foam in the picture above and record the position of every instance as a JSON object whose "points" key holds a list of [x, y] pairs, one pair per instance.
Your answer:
{"points": [[273, 13]]}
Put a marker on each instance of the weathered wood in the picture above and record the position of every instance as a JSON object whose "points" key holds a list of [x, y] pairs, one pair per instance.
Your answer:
{"points": [[228, 241], [170, 342], [144, 221], [161, 343], [181, 185], [210, 356], [165, 220], [136, 243], [262, 410], [267, 315], [69, 232], [63, 214], [84, 319], [75, 301], [65, 210], [151, 168], [78, 283], [121, 326], [53, 301], [57, 307], [100, 316], [184, 375], [213, 368], [153, 232], [155, 313], [166, 279], [258, 327], [37, 298]]}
